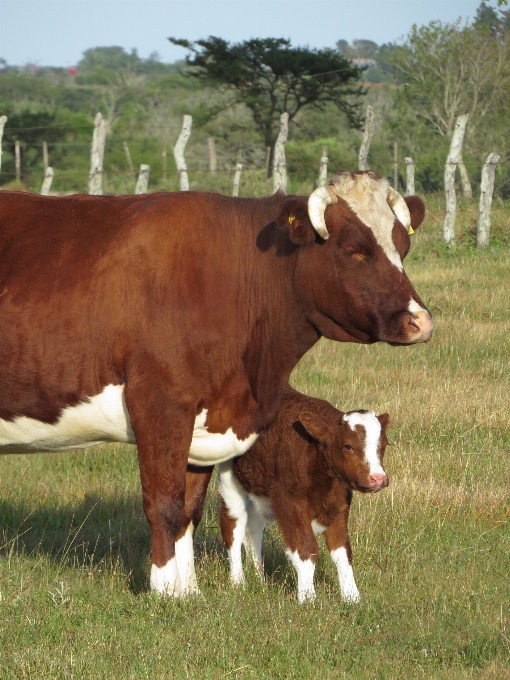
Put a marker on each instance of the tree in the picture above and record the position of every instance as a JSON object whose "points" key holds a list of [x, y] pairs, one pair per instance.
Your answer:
{"points": [[360, 49], [451, 69], [269, 77]]}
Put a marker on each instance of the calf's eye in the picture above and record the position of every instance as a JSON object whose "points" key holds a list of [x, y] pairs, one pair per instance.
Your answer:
{"points": [[347, 447]]}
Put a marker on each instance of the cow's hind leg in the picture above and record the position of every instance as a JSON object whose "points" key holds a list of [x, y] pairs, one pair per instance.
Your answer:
{"points": [[197, 481], [163, 429]]}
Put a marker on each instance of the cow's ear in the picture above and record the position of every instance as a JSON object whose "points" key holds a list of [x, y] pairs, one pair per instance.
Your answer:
{"points": [[316, 426], [292, 215], [417, 210]]}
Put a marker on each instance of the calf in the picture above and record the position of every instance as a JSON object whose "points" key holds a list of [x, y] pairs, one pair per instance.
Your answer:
{"points": [[301, 472]]}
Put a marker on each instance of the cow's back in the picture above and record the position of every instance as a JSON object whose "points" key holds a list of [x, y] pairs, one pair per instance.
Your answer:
{"points": [[89, 282]]}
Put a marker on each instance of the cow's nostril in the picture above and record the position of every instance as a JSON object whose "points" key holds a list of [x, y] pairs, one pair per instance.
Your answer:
{"points": [[378, 478]]}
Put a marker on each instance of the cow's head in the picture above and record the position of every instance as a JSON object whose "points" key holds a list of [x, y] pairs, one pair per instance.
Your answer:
{"points": [[349, 278], [353, 445]]}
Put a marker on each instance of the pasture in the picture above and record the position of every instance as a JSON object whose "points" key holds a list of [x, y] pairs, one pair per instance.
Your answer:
{"points": [[431, 552]]}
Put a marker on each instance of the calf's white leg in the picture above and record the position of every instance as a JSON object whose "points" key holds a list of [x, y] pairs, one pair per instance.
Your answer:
{"points": [[348, 586], [254, 537], [233, 526], [305, 570]]}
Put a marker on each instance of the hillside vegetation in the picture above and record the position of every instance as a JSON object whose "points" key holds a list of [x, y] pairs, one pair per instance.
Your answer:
{"points": [[417, 88]]}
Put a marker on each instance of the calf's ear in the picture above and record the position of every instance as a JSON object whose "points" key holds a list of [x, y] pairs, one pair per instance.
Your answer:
{"points": [[384, 419], [316, 426], [292, 215], [416, 209]]}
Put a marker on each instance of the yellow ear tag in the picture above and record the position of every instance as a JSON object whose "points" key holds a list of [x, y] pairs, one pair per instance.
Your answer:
{"points": [[291, 218], [410, 230]]}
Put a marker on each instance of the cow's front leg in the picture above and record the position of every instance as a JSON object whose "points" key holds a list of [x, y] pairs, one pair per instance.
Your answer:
{"points": [[163, 431], [197, 481], [337, 540]]}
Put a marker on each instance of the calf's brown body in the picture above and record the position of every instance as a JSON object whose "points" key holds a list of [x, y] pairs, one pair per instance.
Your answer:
{"points": [[301, 473]]}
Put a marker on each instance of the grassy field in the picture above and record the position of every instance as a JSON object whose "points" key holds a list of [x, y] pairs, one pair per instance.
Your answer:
{"points": [[432, 552]]}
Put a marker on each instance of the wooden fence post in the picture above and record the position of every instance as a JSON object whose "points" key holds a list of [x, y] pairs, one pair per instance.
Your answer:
{"points": [[45, 156], [48, 179], [179, 147], [237, 179], [143, 179], [213, 161], [483, 231], [395, 166], [163, 166], [17, 160], [3, 121], [266, 162], [97, 156], [279, 161], [323, 168], [128, 156], [367, 138], [409, 176], [467, 192], [449, 178]]}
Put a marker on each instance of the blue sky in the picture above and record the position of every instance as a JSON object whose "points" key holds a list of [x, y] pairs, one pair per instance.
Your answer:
{"points": [[56, 32]]}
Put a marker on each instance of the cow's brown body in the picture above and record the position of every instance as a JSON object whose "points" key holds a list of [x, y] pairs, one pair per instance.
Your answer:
{"points": [[178, 318]]}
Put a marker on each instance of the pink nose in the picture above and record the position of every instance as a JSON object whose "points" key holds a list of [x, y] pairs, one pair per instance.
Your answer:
{"points": [[420, 326], [379, 479]]}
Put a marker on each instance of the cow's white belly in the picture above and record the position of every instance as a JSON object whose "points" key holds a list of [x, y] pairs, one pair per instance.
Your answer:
{"points": [[104, 418]]}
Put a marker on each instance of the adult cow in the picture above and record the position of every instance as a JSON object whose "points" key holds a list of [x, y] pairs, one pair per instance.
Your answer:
{"points": [[173, 321]]}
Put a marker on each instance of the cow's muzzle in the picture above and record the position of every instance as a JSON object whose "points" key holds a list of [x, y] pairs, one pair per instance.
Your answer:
{"points": [[419, 326]]}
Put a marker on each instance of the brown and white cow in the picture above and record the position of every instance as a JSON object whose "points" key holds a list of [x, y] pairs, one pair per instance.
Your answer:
{"points": [[173, 321], [301, 473]]}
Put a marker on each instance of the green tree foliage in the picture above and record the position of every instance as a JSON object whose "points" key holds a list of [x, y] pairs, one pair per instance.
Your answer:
{"points": [[269, 77], [450, 69], [106, 65]]}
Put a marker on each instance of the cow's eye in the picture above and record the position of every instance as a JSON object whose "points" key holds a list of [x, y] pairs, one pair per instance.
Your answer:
{"points": [[347, 447], [355, 254]]}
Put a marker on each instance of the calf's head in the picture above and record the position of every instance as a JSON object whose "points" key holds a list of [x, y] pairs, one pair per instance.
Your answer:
{"points": [[353, 445], [349, 279]]}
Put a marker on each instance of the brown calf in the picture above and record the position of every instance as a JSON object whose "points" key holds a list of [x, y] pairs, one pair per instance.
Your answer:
{"points": [[302, 473]]}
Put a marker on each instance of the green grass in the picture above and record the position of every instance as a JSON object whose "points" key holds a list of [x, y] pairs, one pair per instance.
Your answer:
{"points": [[431, 552]]}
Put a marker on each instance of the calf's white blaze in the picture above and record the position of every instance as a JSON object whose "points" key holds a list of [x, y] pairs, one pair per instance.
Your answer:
{"points": [[104, 418], [348, 586], [372, 427], [186, 563]]}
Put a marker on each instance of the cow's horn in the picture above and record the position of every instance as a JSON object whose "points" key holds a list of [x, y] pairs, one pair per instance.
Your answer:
{"points": [[317, 204], [398, 207]]}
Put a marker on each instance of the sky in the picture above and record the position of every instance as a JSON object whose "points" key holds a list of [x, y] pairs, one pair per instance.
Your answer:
{"points": [[56, 32]]}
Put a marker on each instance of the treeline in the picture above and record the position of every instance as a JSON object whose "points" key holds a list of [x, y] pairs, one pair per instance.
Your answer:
{"points": [[417, 88]]}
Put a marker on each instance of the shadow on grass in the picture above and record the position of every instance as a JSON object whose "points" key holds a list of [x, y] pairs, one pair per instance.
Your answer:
{"points": [[112, 534]]}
